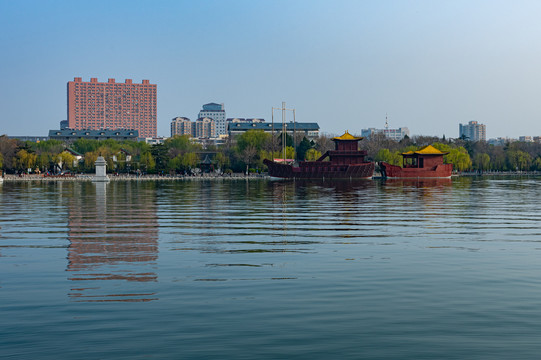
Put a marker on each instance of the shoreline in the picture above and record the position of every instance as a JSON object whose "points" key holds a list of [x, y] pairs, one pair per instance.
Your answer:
{"points": [[202, 177], [87, 177]]}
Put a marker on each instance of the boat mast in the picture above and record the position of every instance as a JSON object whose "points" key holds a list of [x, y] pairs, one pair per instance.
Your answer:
{"points": [[272, 134], [284, 129], [294, 136]]}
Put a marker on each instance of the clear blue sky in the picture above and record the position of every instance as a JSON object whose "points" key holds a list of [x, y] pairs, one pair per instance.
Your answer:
{"points": [[343, 64]]}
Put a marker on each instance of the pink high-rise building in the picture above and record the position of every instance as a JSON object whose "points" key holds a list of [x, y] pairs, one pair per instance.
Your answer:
{"points": [[94, 105]]}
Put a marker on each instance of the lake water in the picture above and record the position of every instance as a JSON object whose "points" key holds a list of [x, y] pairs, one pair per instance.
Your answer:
{"points": [[271, 270]]}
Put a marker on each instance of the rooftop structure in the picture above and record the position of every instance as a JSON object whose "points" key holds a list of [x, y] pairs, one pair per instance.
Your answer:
{"points": [[244, 120], [69, 135], [310, 130], [97, 105], [35, 139]]}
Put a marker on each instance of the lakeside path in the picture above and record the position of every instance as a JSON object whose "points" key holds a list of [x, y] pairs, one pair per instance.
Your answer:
{"points": [[88, 177]]}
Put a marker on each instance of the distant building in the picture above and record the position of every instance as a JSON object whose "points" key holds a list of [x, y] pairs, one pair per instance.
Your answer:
{"points": [[394, 134], [69, 135], [95, 106], [205, 128], [215, 141], [154, 140], [215, 112], [201, 128], [525, 138], [35, 139], [182, 126], [64, 124], [310, 130], [473, 131], [501, 141]]}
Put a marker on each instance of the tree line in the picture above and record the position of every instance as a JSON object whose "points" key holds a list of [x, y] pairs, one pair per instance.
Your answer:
{"points": [[246, 152]]}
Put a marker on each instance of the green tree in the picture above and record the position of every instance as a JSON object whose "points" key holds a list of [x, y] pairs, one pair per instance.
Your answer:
{"points": [[119, 160], [458, 156], [43, 160], [312, 155], [175, 164], [481, 161], [180, 142], [393, 158], [290, 153], [65, 160], [24, 160], [90, 158], [85, 145], [52, 147], [303, 147], [161, 158], [460, 159], [190, 160], [222, 161], [519, 160], [147, 161], [536, 165], [289, 139], [253, 138]]}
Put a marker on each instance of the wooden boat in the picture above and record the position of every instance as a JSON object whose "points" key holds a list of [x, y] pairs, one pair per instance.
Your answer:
{"points": [[345, 162], [424, 163]]}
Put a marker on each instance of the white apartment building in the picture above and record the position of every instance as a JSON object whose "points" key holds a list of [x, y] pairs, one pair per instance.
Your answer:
{"points": [[473, 131], [394, 134], [215, 112]]}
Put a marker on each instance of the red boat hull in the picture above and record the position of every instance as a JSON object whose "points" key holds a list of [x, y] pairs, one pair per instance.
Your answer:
{"points": [[320, 170], [438, 171]]}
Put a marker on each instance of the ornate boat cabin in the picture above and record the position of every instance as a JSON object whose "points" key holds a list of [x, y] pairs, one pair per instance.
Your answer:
{"points": [[426, 162], [346, 161]]}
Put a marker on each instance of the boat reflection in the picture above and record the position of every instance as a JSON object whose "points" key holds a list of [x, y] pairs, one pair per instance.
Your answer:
{"points": [[418, 182]]}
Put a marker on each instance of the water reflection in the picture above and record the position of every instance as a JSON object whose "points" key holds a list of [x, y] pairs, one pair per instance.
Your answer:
{"points": [[409, 269], [113, 235]]}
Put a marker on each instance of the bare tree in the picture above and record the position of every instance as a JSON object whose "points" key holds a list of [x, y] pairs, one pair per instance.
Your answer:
{"points": [[324, 143], [248, 155]]}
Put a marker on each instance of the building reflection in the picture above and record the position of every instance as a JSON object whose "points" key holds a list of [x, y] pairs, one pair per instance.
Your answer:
{"points": [[113, 235]]}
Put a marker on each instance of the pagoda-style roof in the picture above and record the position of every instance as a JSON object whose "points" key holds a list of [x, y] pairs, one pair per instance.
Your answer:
{"points": [[207, 161], [426, 150], [347, 136]]}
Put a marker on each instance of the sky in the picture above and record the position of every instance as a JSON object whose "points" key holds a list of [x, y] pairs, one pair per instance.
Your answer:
{"points": [[427, 65]]}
